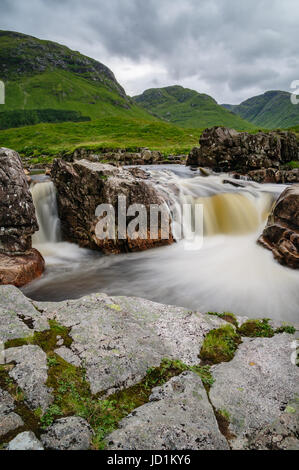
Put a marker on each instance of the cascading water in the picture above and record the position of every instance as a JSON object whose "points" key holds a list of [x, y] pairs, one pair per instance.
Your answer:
{"points": [[45, 202], [230, 272]]}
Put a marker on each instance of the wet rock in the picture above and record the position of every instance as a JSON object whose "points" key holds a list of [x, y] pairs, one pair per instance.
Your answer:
{"points": [[25, 441], [272, 175], [20, 269], [30, 373], [19, 264], [281, 234], [254, 389], [18, 317], [119, 338], [9, 421], [178, 417], [224, 149], [83, 186], [71, 433]]}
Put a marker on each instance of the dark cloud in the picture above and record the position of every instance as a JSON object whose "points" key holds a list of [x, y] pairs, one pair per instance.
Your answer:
{"points": [[230, 49]]}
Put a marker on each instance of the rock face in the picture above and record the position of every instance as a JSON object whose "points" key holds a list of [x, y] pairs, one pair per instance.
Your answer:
{"points": [[19, 264], [178, 416], [272, 175], [83, 186], [224, 149], [281, 234]]}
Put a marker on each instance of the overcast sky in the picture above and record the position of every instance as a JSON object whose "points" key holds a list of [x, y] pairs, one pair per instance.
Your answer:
{"points": [[230, 49]]}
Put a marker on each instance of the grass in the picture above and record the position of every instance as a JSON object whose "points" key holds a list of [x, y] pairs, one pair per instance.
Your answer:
{"points": [[44, 141]]}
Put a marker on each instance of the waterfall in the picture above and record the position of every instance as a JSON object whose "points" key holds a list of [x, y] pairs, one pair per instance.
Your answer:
{"points": [[227, 209], [45, 202]]}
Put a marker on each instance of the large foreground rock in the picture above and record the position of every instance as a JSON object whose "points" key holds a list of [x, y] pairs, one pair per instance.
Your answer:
{"points": [[19, 264], [254, 390], [281, 234], [83, 186], [178, 417], [224, 149], [118, 339]]}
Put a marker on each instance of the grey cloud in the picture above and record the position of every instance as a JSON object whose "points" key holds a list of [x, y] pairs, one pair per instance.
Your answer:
{"points": [[224, 47]]}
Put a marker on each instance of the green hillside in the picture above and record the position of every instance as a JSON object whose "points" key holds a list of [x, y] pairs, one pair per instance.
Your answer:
{"points": [[45, 75], [44, 141], [188, 108], [271, 110]]}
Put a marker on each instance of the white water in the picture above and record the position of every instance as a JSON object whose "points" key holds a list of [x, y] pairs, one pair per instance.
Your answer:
{"points": [[230, 273]]}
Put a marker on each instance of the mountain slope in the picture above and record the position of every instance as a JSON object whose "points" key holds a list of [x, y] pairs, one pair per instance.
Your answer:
{"points": [[271, 110], [44, 75], [188, 108]]}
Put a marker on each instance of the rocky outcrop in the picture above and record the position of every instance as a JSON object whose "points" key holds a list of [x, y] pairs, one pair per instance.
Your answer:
{"points": [[272, 175], [83, 186], [224, 149], [281, 234], [19, 263], [115, 342]]}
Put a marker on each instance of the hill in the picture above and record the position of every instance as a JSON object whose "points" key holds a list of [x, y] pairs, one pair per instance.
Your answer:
{"points": [[271, 110], [45, 75], [41, 142], [188, 108]]}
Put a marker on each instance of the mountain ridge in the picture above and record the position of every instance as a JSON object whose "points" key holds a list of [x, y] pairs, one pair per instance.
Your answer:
{"points": [[270, 110], [188, 108]]}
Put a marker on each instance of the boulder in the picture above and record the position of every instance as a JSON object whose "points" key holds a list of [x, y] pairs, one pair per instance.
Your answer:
{"points": [[254, 390], [177, 417], [9, 421], [72, 433], [25, 441], [83, 186], [19, 263], [281, 234], [31, 374], [20, 269], [224, 149]]}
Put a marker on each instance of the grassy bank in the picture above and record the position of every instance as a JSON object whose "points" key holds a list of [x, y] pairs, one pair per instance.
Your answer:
{"points": [[49, 140]]}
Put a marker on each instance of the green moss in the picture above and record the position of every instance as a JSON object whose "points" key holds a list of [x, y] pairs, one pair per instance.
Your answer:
{"points": [[47, 340], [223, 420], [227, 316], [256, 329], [220, 345], [286, 329]]}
